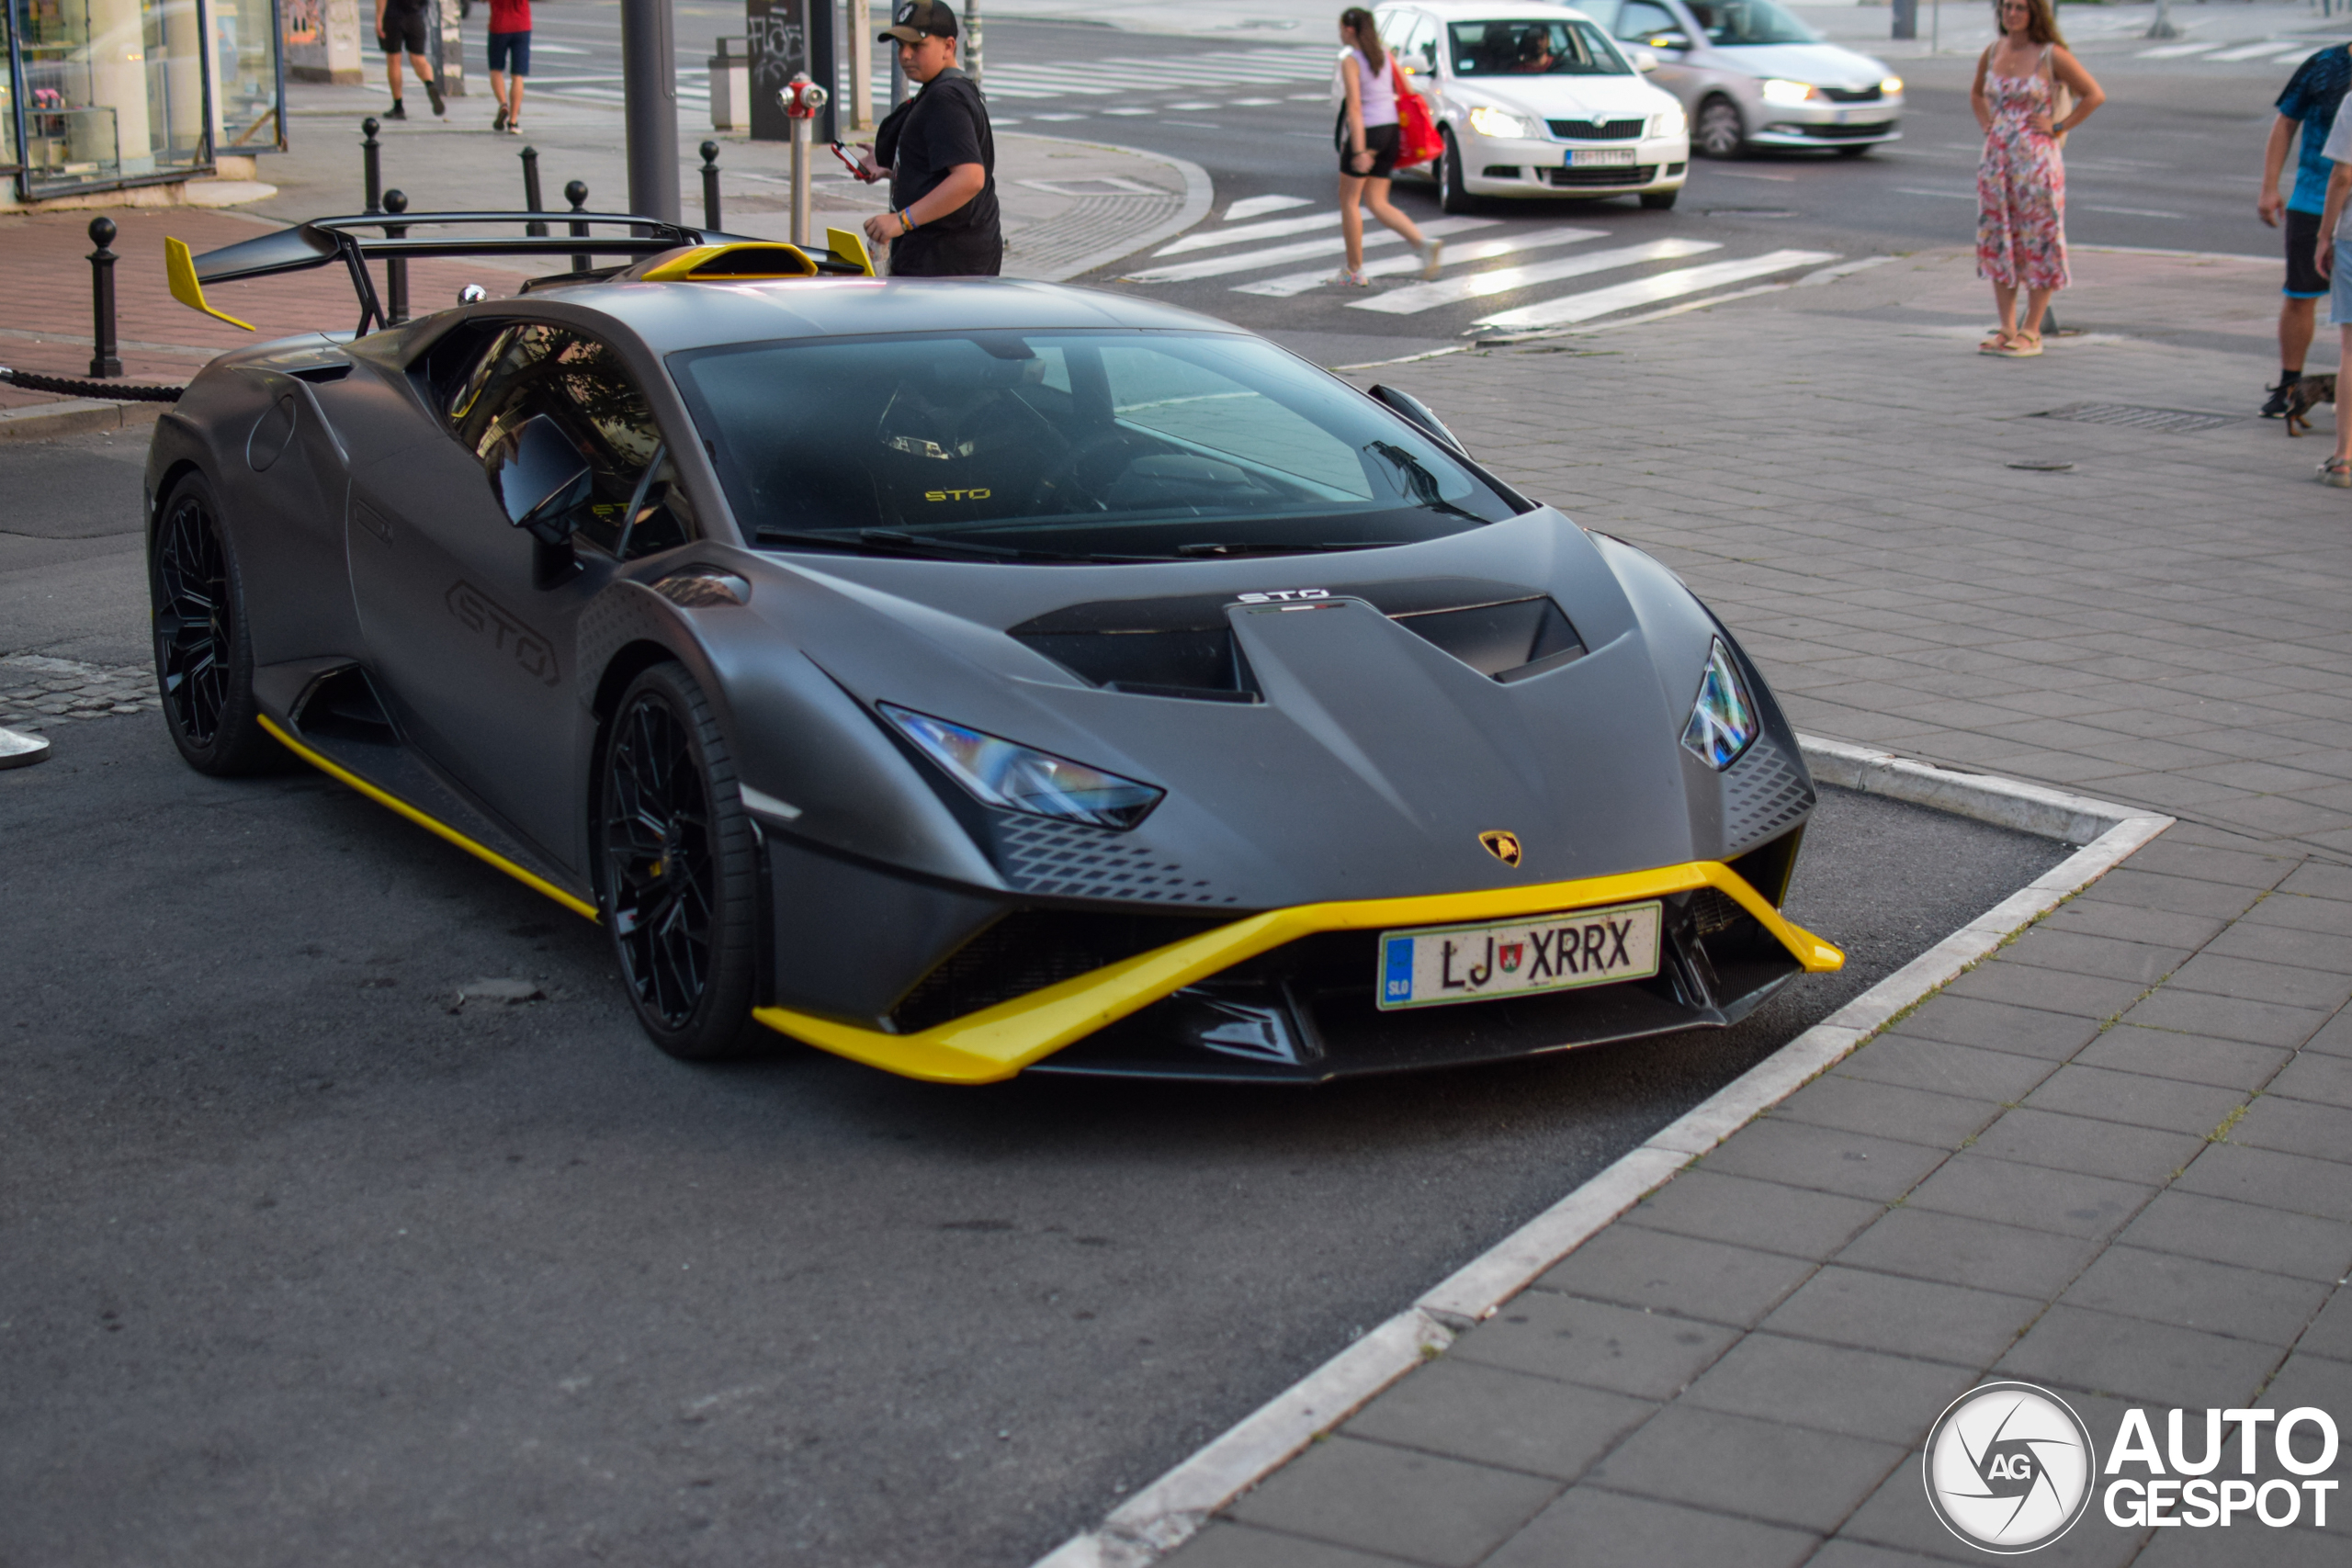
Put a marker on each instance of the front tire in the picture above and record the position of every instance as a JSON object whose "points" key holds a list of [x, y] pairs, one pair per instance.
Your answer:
{"points": [[1720, 132], [1453, 196], [204, 649], [678, 870], [1660, 200]]}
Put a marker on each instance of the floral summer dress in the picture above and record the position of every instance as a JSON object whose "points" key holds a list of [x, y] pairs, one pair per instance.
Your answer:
{"points": [[2020, 187]]}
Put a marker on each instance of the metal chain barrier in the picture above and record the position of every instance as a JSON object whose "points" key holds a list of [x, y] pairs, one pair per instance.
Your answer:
{"points": [[32, 382]]}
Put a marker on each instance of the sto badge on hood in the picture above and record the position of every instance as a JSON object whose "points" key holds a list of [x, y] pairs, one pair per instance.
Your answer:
{"points": [[1502, 844]]}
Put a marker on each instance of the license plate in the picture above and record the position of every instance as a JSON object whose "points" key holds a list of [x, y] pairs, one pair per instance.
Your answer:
{"points": [[1440, 965], [1587, 157]]}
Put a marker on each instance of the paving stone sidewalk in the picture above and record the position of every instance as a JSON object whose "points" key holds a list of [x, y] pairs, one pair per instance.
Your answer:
{"points": [[2114, 1159]]}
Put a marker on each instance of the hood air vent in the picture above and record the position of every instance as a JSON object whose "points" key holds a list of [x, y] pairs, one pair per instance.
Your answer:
{"points": [[1184, 648]]}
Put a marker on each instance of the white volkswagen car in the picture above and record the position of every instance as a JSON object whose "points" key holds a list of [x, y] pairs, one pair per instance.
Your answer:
{"points": [[1751, 74], [1536, 100]]}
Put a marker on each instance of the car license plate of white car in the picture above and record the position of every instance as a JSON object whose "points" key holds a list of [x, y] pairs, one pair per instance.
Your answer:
{"points": [[1588, 157], [1438, 965]]}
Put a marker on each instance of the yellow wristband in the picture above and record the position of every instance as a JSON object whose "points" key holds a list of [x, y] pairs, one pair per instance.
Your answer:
{"points": [[906, 223]]}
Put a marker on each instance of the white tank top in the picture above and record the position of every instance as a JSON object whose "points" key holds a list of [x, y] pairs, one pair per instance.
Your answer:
{"points": [[1376, 88]]}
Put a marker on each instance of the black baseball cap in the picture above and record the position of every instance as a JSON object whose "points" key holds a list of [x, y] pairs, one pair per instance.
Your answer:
{"points": [[917, 19]]}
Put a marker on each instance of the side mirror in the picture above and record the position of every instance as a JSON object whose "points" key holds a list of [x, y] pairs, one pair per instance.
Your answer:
{"points": [[1417, 413], [1674, 39], [540, 474], [1643, 60]]}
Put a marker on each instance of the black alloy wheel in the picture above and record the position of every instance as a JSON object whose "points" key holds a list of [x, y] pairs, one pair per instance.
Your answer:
{"points": [[1451, 195], [204, 661], [678, 869], [1719, 133]]}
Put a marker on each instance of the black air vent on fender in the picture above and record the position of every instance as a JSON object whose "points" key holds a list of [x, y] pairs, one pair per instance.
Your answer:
{"points": [[1184, 648]]}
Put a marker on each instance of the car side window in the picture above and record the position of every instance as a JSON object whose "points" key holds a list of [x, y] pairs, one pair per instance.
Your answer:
{"points": [[1640, 19], [1419, 49], [535, 368]]}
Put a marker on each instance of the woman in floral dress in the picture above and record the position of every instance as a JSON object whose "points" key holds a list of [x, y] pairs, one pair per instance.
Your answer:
{"points": [[2021, 180]]}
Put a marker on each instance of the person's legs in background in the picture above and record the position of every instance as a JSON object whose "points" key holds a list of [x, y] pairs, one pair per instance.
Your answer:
{"points": [[2298, 311]]}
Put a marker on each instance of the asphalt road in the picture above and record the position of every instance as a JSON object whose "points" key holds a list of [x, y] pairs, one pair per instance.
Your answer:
{"points": [[311, 1262], [2168, 164]]}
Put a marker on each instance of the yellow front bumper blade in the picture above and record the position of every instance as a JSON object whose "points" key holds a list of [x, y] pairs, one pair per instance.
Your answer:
{"points": [[998, 1042]]}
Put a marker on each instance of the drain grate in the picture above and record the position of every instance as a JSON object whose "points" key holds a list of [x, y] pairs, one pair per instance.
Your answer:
{"points": [[2170, 420]]}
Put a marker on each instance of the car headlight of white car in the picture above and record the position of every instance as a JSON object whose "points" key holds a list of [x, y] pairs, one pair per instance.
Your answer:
{"points": [[1778, 91], [1673, 122], [1489, 120], [1892, 87]]}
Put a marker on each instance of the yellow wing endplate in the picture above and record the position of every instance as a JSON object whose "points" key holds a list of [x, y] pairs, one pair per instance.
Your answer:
{"points": [[180, 267], [850, 245]]}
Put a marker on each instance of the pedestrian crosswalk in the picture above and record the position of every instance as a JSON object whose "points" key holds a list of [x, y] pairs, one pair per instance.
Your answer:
{"points": [[1510, 268], [2224, 50]]}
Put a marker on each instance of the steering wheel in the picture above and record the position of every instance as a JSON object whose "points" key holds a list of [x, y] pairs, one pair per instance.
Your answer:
{"points": [[1068, 470]]}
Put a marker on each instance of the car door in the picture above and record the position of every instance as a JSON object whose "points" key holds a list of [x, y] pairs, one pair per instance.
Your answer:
{"points": [[1642, 24], [470, 621]]}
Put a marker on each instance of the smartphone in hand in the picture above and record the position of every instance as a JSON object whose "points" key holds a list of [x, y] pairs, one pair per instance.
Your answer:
{"points": [[851, 164]]}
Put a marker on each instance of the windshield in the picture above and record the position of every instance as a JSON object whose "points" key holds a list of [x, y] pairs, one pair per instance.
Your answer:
{"points": [[1534, 48], [1749, 21], [1066, 446]]}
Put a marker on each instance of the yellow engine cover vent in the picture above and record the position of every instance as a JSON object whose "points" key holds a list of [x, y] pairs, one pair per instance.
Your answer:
{"points": [[739, 263]]}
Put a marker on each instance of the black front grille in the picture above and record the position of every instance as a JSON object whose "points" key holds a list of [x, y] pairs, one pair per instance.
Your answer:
{"points": [[1622, 175], [1028, 950], [1869, 95], [1585, 131], [1844, 132], [1500, 171]]}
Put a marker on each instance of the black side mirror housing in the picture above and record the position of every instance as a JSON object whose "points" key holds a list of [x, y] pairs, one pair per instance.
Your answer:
{"points": [[540, 476], [1417, 413]]}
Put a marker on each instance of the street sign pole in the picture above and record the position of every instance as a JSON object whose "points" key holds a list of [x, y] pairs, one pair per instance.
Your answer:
{"points": [[649, 88]]}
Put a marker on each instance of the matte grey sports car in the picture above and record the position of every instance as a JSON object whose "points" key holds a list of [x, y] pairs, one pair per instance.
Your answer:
{"points": [[972, 677]]}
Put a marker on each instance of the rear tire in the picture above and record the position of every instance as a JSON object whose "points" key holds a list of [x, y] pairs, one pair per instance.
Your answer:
{"points": [[1719, 133], [1660, 200], [1451, 195], [204, 649], [677, 870]]}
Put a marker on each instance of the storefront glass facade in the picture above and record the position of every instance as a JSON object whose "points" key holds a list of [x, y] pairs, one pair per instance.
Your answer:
{"points": [[125, 92]]}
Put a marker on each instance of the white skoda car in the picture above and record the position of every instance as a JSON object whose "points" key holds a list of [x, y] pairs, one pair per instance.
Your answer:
{"points": [[1536, 100]]}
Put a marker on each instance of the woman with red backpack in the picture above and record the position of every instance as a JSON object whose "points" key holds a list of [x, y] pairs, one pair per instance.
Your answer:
{"points": [[1368, 136]]}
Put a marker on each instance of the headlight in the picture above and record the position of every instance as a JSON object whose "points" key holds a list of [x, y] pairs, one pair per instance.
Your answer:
{"points": [[1892, 87], [1722, 721], [1673, 122], [1777, 91], [1020, 778], [1488, 120]]}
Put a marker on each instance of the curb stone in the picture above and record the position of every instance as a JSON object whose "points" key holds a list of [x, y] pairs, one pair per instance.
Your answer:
{"points": [[1168, 1511], [74, 416]]}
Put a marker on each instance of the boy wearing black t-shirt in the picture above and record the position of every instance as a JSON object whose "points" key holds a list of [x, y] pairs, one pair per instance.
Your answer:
{"points": [[940, 153]]}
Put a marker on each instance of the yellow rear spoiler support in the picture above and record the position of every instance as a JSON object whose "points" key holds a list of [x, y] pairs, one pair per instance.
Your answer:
{"points": [[850, 245], [180, 267]]}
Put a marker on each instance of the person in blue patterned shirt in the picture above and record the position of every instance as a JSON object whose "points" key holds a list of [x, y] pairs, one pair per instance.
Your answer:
{"points": [[2308, 106]]}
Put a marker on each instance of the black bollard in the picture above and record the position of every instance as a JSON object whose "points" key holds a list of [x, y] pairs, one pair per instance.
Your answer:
{"points": [[104, 362], [576, 193], [531, 202], [710, 184], [395, 267], [371, 167]]}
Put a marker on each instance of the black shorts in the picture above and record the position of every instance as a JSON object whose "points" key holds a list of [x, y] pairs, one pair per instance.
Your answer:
{"points": [[2304, 281], [1380, 140], [403, 33]]}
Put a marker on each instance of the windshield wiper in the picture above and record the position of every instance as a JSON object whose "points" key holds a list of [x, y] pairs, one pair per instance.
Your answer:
{"points": [[891, 541], [1251, 547], [1423, 482]]}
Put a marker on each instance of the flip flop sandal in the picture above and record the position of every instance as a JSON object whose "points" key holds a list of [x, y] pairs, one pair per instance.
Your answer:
{"points": [[1996, 343], [2336, 472], [2019, 347]]}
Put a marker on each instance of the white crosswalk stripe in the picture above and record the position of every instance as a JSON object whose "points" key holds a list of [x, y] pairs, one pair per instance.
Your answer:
{"points": [[1292, 283], [1258, 205], [1650, 290], [1207, 238], [1275, 256], [1422, 297]]}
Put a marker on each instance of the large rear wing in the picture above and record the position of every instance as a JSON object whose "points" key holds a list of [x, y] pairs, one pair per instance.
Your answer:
{"points": [[704, 254]]}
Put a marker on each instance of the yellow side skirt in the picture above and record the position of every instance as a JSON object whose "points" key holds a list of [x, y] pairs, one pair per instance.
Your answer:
{"points": [[480, 851], [998, 1042]]}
